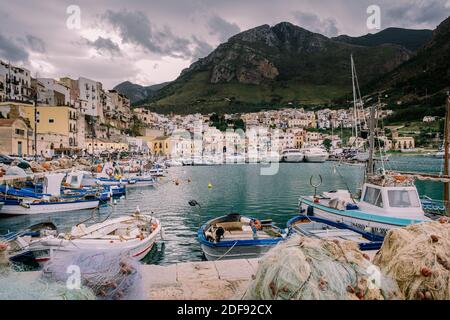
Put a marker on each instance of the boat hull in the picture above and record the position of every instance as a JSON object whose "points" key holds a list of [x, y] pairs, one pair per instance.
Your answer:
{"points": [[293, 158], [316, 158], [39, 208], [378, 225], [213, 253]]}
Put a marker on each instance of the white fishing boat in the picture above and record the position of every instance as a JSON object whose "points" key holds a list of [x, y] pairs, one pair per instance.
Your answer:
{"points": [[174, 163], [315, 154], [387, 202], [157, 172], [292, 155], [237, 237], [134, 235], [50, 201]]}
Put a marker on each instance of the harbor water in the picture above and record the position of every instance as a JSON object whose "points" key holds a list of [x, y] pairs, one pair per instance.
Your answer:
{"points": [[223, 189]]}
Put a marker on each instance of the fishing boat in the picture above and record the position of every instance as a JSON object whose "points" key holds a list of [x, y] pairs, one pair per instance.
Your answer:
{"points": [[173, 163], [134, 235], [315, 227], [157, 172], [134, 181], [315, 154], [388, 200], [25, 202], [292, 155], [237, 237]]}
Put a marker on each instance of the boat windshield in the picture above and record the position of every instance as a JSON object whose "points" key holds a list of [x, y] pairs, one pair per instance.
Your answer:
{"points": [[373, 196], [403, 199]]}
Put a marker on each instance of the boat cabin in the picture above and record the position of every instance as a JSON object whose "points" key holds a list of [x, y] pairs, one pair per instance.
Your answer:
{"points": [[391, 200]]}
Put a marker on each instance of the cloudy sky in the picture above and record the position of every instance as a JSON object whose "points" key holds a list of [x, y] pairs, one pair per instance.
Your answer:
{"points": [[151, 41]]}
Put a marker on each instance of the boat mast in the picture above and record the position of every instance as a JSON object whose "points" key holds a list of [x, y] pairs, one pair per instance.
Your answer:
{"points": [[446, 151], [355, 118], [372, 138]]}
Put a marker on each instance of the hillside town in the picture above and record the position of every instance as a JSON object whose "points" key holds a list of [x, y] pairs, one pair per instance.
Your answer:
{"points": [[80, 117]]}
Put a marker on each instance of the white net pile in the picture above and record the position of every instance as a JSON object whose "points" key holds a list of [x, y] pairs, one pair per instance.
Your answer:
{"points": [[111, 275], [27, 285], [418, 258], [311, 269]]}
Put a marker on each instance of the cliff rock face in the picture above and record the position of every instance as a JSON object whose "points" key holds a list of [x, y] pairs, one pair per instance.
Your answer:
{"points": [[264, 54], [273, 65]]}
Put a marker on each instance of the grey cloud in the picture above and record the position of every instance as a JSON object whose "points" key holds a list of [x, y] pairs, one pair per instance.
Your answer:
{"points": [[35, 43], [105, 45], [313, 23], [417, 12], [222, 28], [11, 50], [202, 49], [135, 28]]}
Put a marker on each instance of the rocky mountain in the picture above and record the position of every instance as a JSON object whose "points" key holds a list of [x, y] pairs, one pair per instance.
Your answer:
{"points": [[273, 66], [137, 92], [407, 38], [425, 74]]}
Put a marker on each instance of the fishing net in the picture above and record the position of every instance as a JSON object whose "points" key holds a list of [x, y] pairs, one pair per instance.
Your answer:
{"points": [[418, 258], [21, 286], [27, 285], [311, 269], [111, 275]]}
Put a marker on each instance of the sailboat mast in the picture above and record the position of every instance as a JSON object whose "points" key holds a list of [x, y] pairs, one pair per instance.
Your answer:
{"points": [[355, 116], [446, 150], [372, 138]]}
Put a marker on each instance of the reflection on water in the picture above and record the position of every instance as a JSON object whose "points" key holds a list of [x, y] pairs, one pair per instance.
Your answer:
{"points": [[238, 188]]}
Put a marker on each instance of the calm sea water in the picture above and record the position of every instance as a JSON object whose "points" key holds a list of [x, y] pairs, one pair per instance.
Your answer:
{"points": [[238, 188]]}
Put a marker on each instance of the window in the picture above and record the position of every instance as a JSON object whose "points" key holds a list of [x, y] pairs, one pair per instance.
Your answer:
{"points": [[373, 196], [403, 199], [51, 120], [20, 132]]}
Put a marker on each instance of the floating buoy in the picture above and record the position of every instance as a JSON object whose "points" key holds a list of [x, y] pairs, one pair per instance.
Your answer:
{"points": [[210, 185]]}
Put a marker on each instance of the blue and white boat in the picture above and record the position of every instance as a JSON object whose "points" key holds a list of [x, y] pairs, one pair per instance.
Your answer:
{"points": [[319, 228], [135, 181], [387, 202], [25, 202], [236, 237], [84, 182]]}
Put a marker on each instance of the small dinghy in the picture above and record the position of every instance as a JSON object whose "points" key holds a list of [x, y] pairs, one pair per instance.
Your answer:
{"points": [[329, 230], [133, 235], [237, 237]]}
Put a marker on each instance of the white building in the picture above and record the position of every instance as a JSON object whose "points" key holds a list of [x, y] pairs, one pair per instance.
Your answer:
{"points": [[17, 82], [53, 92], [90, 97]]}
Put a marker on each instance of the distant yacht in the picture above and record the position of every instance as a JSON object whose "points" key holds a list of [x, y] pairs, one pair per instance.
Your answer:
{"points": [[292, 155], [315, 155]]}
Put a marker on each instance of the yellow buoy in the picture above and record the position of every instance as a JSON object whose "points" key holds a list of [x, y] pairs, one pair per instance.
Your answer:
{"points": [[210, 185]]}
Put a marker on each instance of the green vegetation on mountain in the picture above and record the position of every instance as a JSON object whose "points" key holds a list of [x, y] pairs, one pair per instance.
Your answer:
{"points": [[410, 39], [270, 67], [137, 92]]}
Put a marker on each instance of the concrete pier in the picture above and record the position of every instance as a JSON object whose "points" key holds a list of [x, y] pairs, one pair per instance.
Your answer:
{"points": [[209, 280], [205, 280]]}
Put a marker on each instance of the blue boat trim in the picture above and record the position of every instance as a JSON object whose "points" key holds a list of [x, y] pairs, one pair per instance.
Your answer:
{"points": [[364, 216], [236, 243], [376, 240]]}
